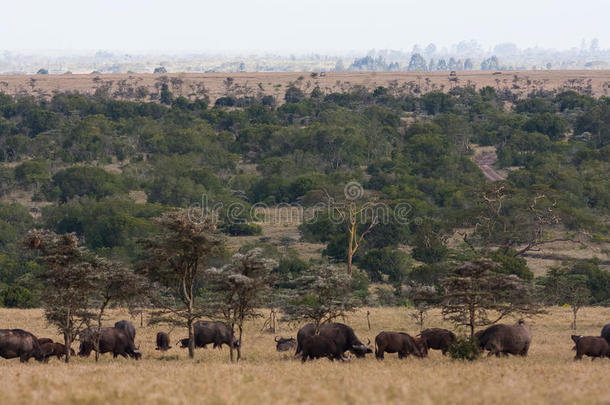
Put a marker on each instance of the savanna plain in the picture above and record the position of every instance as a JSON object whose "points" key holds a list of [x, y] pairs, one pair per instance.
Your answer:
{"points": [[547, 375]]}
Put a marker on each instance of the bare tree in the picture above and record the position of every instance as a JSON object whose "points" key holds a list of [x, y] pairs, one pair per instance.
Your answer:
{"points": [[354, 211]]}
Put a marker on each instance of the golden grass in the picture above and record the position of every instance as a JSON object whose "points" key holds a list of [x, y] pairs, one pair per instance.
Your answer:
{"points": [[275, 83], [547, 375]]}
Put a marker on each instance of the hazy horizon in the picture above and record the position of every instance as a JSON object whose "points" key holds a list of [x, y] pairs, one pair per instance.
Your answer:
{"points": [[274, 26]]}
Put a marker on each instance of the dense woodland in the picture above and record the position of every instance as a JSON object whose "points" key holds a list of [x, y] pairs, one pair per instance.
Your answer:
{"points": [[404, 148]]}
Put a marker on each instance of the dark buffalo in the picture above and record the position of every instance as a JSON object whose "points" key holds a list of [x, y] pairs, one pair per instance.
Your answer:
{"points": [[54, 349], [592, 346], [285, 344], [317, 346], [606, 333], [215, 332], [44, 340], [342, 335], [438, 339], [163, 341], [398, 342], [112, 340], [128, 328], [505, 339], [19, 343], [184, 343]]}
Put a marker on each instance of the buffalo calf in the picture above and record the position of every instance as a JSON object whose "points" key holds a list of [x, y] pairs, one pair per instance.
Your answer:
{"points": [[285, 344], [163, 341], [592, 346], [438, 339], [54, 349], [398, 342]]}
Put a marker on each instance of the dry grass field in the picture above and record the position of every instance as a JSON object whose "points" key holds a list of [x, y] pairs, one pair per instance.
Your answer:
{"points": [[547, 375], [275, 83]]}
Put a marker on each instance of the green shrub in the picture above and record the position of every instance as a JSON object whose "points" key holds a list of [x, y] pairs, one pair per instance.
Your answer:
{"points": [[17, 297], [243, 229], [464, 349]]}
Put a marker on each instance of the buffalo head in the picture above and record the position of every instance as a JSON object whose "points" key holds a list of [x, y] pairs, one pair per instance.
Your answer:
{"points": [[421, 348], [360, 350]]}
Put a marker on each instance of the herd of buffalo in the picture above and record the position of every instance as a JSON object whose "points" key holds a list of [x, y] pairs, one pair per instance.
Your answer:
{"points": [[332, 341]]}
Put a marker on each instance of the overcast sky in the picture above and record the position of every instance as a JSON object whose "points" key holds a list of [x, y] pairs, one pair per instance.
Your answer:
{"points": [[296, 25]]}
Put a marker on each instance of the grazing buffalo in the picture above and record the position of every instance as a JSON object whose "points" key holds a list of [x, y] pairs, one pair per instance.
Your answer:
{"points": [[54, 349], [19, 343], [215, 332], [285, 344], [505, 339], [592, 346], [438, 339], [317, 346], [128, 328], [163, 341], [44, 340], [606, 333], [398, 342], [342, 335], [112, 340]]}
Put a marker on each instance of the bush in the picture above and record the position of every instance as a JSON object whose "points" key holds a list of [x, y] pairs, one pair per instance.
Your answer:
{"points": [[387, 261], [243, 229], [464, 349], [385, 297], [17, 297]]}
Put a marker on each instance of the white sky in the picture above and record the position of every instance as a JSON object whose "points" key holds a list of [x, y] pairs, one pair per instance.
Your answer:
{"points": [[296, 25]]}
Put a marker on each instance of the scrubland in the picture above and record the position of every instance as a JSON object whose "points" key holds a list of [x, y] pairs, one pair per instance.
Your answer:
{"points": [[547, 375]]}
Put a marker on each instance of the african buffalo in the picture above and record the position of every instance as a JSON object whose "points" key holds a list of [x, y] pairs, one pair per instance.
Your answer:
{"points": [[438, 339], [317, 346], [207, 332], [592, 346], [606, 333], [112, 340], [398, 342], [342, 335], [163, 341], [128, 328], [19, 343], [45, 340], [54, 349], [505, 339], [285, 344]]}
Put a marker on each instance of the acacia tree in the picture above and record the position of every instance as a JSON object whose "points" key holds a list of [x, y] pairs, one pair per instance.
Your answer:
{"points": [[113, 283], [559, 287], [353, 212], [68, 279], [475, 295], [323, 294], [423, 297], [176, 260], [239, 289]]}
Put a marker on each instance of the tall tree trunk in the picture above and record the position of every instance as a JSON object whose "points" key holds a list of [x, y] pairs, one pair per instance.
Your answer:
{"points": [[239, 340], [574, 312], [67, 344], [189, 324], [67, 337]]}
